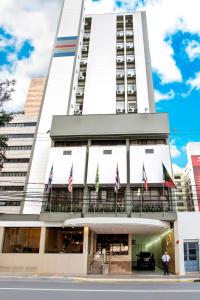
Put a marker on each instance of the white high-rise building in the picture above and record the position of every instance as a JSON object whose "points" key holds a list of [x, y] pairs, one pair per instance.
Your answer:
{"points": [[98, 129], [99, 106]]}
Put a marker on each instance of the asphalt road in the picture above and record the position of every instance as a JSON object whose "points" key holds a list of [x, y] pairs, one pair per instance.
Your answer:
{"points": [[66, 289]]}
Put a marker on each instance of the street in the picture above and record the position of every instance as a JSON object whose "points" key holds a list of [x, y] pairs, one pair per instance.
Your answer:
{"points": [[68, 289]]}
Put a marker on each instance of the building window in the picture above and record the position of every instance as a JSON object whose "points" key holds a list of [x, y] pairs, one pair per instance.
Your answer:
{"points": [[62, 200], [64, 240], [11, 188], [11, 148], [113, 243], [21, 240], [17, 160], [13, 174], [20, 124], [18, 136], [149, 151]]}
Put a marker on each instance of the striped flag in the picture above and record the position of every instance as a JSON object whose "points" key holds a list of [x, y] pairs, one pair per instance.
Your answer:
{"points": [[97, 180], [144, 179], [49, 184], [117, 180], [70, 180]]}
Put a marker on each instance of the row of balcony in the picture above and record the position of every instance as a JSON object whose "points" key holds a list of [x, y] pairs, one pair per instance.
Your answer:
{"points": [[120, 89], [129, 58], [131, 107], [127, 33], [120, 46], [120, 107], [120, 59], [130, 73]]}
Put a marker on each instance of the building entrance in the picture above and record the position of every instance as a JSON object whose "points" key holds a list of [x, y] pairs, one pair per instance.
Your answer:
{"points": [[147, 251]]}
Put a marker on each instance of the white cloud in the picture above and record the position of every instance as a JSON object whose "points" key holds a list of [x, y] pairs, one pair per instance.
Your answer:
{"points": [[194, 82], [177, 169], [36, 21], [174, 150], [167, 96], [193, 50], [166, 17]]}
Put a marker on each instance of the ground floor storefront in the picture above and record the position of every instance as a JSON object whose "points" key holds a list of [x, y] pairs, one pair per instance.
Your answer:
{"points": [[99, 245]]}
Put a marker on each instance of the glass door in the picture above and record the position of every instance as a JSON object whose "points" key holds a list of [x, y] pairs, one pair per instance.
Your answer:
{"points": [[191, 256]]}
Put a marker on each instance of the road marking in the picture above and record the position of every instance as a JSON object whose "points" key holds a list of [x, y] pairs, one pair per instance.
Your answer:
{"points": [[101, 290]]}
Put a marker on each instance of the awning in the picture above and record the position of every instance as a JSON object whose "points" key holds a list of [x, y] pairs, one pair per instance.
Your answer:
{"points": [[120, 225]]}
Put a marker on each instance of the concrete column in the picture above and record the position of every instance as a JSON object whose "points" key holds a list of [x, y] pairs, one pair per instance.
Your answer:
{"points": [[130, 246], [2, 230], [179, 252], [128, 190], [85, 248], [42, 240], [86, 192]]}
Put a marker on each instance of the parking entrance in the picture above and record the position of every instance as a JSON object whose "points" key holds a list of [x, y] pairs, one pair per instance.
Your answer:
{"points": [[147, 251]]}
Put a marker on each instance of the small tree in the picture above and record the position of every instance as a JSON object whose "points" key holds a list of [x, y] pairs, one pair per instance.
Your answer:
{"points": [[6, 90]]}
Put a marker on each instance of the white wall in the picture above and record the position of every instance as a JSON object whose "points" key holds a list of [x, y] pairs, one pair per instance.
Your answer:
{"points": [[55, 103], [186, 228], [140, 65], [62, 165], [107, 164], [152, 163], [100, 86]]}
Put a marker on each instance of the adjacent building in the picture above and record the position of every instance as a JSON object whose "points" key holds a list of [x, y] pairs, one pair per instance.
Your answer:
{"points": [[20, 133]]}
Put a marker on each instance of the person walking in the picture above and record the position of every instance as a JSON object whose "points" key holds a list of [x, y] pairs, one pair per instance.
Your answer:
{"points": [[165, 259]]}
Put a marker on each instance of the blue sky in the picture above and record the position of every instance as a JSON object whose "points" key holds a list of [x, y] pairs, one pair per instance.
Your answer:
{"points": [[26, 38]]}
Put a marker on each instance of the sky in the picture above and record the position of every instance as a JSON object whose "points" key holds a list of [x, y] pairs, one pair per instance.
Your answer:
{"points": [[27, 30]]}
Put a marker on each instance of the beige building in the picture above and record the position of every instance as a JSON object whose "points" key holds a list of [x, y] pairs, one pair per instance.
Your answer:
{"points": [[20, 132], [34, 96]]}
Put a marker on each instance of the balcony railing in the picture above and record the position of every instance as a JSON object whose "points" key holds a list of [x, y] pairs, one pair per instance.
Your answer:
{"points": [[109, 206]]}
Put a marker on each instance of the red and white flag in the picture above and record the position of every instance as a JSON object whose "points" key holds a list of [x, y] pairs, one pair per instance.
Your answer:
{"points": [[117, 180], [144, 179], [70, 180]]}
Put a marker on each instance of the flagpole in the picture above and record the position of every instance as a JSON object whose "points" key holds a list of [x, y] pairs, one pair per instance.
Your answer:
{"points": [[163, 197], [71, 201], [116, 198], [141, 201], [50, 198]]}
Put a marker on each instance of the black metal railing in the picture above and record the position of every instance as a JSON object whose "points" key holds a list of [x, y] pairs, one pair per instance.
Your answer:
{"points": [[108, 205]]}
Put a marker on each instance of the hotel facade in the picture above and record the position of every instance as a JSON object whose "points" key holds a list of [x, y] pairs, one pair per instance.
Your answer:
{"points": [[98, 125]]}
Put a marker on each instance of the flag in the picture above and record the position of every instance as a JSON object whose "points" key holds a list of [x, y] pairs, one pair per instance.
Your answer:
{"points": [[117, 180], [49, 184], [70, 180], [168, 182], [144, 179], [97, 180]]}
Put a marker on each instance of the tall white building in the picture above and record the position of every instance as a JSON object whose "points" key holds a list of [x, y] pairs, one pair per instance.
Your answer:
{"points": [[97, 126]]}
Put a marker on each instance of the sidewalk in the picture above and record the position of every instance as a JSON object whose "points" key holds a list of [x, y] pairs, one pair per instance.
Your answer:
{"points": [[104, 278]]}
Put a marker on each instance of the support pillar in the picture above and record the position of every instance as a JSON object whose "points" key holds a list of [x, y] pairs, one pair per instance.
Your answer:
{"points": [[42, 240], [85, 249], [2, 230]]}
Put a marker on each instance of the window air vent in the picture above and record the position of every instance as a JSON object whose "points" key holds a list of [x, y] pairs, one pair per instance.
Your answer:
{"points": [[149, 151], [68, 152], [107, 151]]}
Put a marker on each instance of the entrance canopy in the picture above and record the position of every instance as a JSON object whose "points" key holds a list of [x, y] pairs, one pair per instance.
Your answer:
{"points": [[120, 225]]}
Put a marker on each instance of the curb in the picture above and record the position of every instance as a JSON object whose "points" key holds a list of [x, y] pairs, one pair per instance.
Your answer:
{"points": [[136, 280]]}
